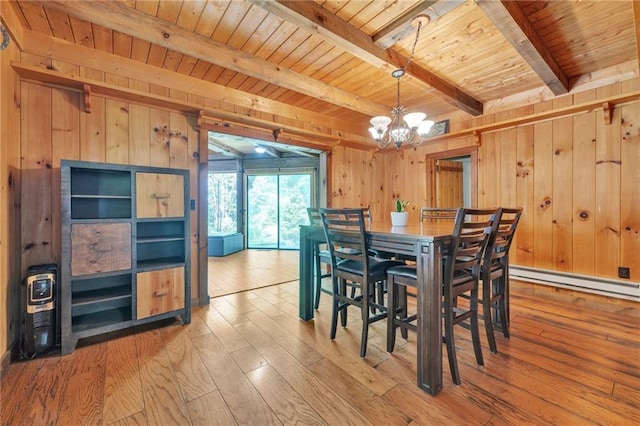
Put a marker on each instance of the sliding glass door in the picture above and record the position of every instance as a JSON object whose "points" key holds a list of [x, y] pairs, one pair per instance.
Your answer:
{"points": [[276, 207]]}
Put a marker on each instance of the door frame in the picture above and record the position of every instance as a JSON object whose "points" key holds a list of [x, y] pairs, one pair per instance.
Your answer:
{"points": [[470, 151]]}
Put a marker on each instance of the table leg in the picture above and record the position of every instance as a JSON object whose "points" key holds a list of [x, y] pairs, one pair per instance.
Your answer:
{"points": [[305, 279], [429, 356]]}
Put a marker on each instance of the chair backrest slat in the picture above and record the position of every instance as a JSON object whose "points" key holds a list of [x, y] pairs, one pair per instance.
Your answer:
{"points": [[314, 216], [345, 233], [503, 234], [437, 213], [469, 240]]}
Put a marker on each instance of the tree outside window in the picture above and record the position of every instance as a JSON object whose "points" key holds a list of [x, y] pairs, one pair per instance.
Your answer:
{"points": [[223, 203]]}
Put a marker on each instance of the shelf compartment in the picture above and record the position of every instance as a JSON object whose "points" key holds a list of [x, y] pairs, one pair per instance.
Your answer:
{"points": [[100, 182], [160, 231], [100, 194], [113, 318], [88, 302], [93, 207], [161, 251], [164, 262]]}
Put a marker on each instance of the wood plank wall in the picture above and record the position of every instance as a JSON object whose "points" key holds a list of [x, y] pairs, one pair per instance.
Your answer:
{"points": [[56, 126], [576, 178], [9, 198]]}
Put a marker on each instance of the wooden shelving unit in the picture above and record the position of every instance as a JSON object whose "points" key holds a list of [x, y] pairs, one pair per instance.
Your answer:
{"points": [[125, 248]]}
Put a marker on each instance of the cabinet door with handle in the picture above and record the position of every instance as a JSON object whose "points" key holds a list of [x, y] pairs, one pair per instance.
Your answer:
{"points": [[160, 291], [100, 247], [159, 195]]}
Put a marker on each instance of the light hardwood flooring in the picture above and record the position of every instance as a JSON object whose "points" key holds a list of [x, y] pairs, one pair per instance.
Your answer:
{"points": [[247, 359], [251, 269]]}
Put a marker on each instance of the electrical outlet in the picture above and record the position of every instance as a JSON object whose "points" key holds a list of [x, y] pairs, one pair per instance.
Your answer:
{"points": [[624, 272]]}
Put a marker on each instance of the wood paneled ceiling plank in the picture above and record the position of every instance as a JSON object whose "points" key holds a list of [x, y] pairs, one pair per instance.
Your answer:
{"points": [[140, 50], [171, 60], [514, 25], [157, 54], [120, 18], [190, 13], [246, 27], [82, 32], [316, 20], [122, 44], [169, 10], [200, 69], [35, 17], [228, 22], [210, 17], [60, 25], [102, 38], [221, 147], [401, 27], [265, 31], [636, 24]]}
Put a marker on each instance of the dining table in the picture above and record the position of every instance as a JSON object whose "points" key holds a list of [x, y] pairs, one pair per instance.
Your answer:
{"points": [[428, 242]]}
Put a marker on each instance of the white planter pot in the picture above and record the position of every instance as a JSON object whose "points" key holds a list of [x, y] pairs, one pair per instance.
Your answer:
{"points": [[399, 218]]}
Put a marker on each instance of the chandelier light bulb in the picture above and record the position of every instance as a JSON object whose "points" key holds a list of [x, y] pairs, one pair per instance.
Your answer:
{"points": [[380, 123], [375, 134], [414, 119], [424, 128]]}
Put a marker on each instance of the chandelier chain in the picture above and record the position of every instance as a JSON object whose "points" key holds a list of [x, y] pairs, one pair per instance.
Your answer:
{"points": [[413, 48]]}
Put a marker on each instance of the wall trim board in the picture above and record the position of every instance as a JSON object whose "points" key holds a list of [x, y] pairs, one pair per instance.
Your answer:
{"points": [[606, 287]]}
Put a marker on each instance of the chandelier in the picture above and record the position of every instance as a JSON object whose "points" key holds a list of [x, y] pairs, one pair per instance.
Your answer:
{"points": [[402, 127]]}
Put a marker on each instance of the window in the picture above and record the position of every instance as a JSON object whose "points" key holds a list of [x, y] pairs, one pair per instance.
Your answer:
{"points": [[223, 203], [276, 207]]}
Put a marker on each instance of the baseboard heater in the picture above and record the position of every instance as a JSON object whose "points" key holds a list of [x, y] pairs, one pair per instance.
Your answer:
{"points": [[607, 287]]}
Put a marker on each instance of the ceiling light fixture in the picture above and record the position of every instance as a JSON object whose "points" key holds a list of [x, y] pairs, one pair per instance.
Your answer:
{"points": [[260, 149], [402, 128]]}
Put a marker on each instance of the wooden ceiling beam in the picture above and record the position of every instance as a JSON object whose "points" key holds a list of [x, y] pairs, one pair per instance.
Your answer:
{"points": [[511, 21], [119, 17], [310, 123], [316, 20], [401, 27], [217, 146]]}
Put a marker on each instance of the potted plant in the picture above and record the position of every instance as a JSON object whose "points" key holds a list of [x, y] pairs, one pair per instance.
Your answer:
{"points": [[399, 217]]}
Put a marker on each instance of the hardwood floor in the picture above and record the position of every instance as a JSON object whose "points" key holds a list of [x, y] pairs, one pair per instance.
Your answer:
{"points": [[247, 359], [250, 269]]}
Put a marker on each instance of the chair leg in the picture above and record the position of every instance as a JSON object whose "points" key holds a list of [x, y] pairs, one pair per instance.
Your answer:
{"points": [[503, 305], [392, 291], [487, 307], [318, 279], [365, 322], [475, 329], [343, 309], [402, 301], [451, 348], [334, 313]]}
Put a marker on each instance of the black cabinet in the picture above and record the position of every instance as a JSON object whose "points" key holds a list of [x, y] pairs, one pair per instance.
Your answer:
{"points": [[125, 248]]}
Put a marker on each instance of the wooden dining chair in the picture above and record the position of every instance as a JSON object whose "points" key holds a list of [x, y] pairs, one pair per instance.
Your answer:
{"points": [[435, 213], [321, 257], [353, 267], [462, 265], [495, 274]]}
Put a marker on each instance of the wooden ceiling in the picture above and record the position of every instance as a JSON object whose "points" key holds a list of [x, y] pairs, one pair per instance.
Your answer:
{"points": [[335, 57]]}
